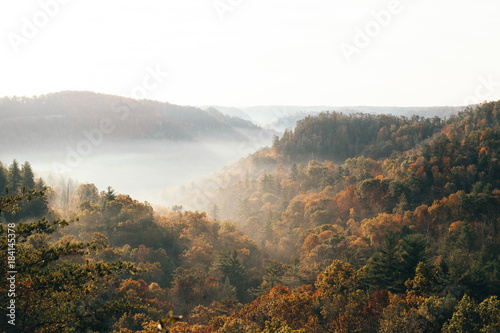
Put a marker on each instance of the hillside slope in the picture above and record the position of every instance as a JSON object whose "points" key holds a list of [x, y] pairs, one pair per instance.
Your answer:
{"points": [[401, 243], [70, 116]]}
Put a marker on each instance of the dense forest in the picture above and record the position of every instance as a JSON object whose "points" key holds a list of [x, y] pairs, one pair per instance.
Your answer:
{"points": [[348, 223]]}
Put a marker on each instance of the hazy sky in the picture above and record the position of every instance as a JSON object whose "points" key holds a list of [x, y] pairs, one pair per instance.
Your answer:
{"points": [[255, 52]]}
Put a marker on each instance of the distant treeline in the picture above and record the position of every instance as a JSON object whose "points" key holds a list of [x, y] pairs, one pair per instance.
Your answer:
{"points": [[67, 116]]}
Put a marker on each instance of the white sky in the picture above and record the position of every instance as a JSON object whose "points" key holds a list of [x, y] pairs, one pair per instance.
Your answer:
{"points": [[265, 52]]}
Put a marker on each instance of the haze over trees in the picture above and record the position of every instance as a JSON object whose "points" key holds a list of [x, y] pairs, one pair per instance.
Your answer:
{"points": [[347, 223], [34, 122], [131, 144]]}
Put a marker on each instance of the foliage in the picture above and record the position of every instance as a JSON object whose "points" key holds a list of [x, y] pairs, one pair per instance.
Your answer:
{"points": [[349, 223]]}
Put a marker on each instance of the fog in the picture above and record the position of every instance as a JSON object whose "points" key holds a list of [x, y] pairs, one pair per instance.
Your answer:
{"points": [[148, 149], [138, 147], [146, 169]]}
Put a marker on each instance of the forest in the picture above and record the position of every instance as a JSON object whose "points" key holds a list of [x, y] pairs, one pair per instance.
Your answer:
{"points": [[30, 122], [347, 223]]}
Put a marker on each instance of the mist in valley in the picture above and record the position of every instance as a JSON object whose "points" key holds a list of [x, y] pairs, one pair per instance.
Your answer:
{"points": [[157, 152], [249, 166], [141, 148], [146, 170]]}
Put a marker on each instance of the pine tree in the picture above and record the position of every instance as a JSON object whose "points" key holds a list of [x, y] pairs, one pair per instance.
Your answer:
{"points": [[108, 195], [4, 181], [40, 184], [215, 212], [15, 179], [228, 291], [232, 268], [385, 267], [27, 176], [66, 297], [414, 251]]}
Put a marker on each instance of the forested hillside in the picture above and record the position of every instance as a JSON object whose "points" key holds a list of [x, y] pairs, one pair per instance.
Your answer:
{"points": [[336, 136], [46, 120], [141, 147], [281, 117], [348, 223]]}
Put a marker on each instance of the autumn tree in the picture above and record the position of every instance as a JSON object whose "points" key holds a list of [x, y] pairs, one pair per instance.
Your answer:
{"points": [[343, 297], [88, 192], [53, 294], [471, 317]]}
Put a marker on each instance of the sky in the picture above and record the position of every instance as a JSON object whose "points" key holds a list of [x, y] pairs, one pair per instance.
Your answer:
{"points": [[255, 52]]}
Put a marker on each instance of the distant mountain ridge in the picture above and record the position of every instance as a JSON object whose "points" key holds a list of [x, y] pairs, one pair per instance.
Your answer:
{"points": [[281, 117], [67, 116]]}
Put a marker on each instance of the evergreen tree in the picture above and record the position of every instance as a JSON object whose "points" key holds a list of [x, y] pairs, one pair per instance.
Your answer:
{"points": [[40, 184], [228, 292], [27, 176], [15, 178], [108, 195], [57, 296], [232, 268], [385, 267], [38, 207], [4, 181], [414, 251], [215, 212]]}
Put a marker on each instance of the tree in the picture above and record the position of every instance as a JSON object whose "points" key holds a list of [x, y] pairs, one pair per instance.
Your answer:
{"points": [[27, 176], [414, 251], [321, 217], [385, 267], [424, 282], [230, 267], [343, 298], [88, 192], [278, 326], [461, 237], [15, 179], [274, 273], [108, 195], [273, 276], [472, 318], [177, 208], [4, 181], [414, 314], [54, 295], [215, 212]]}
